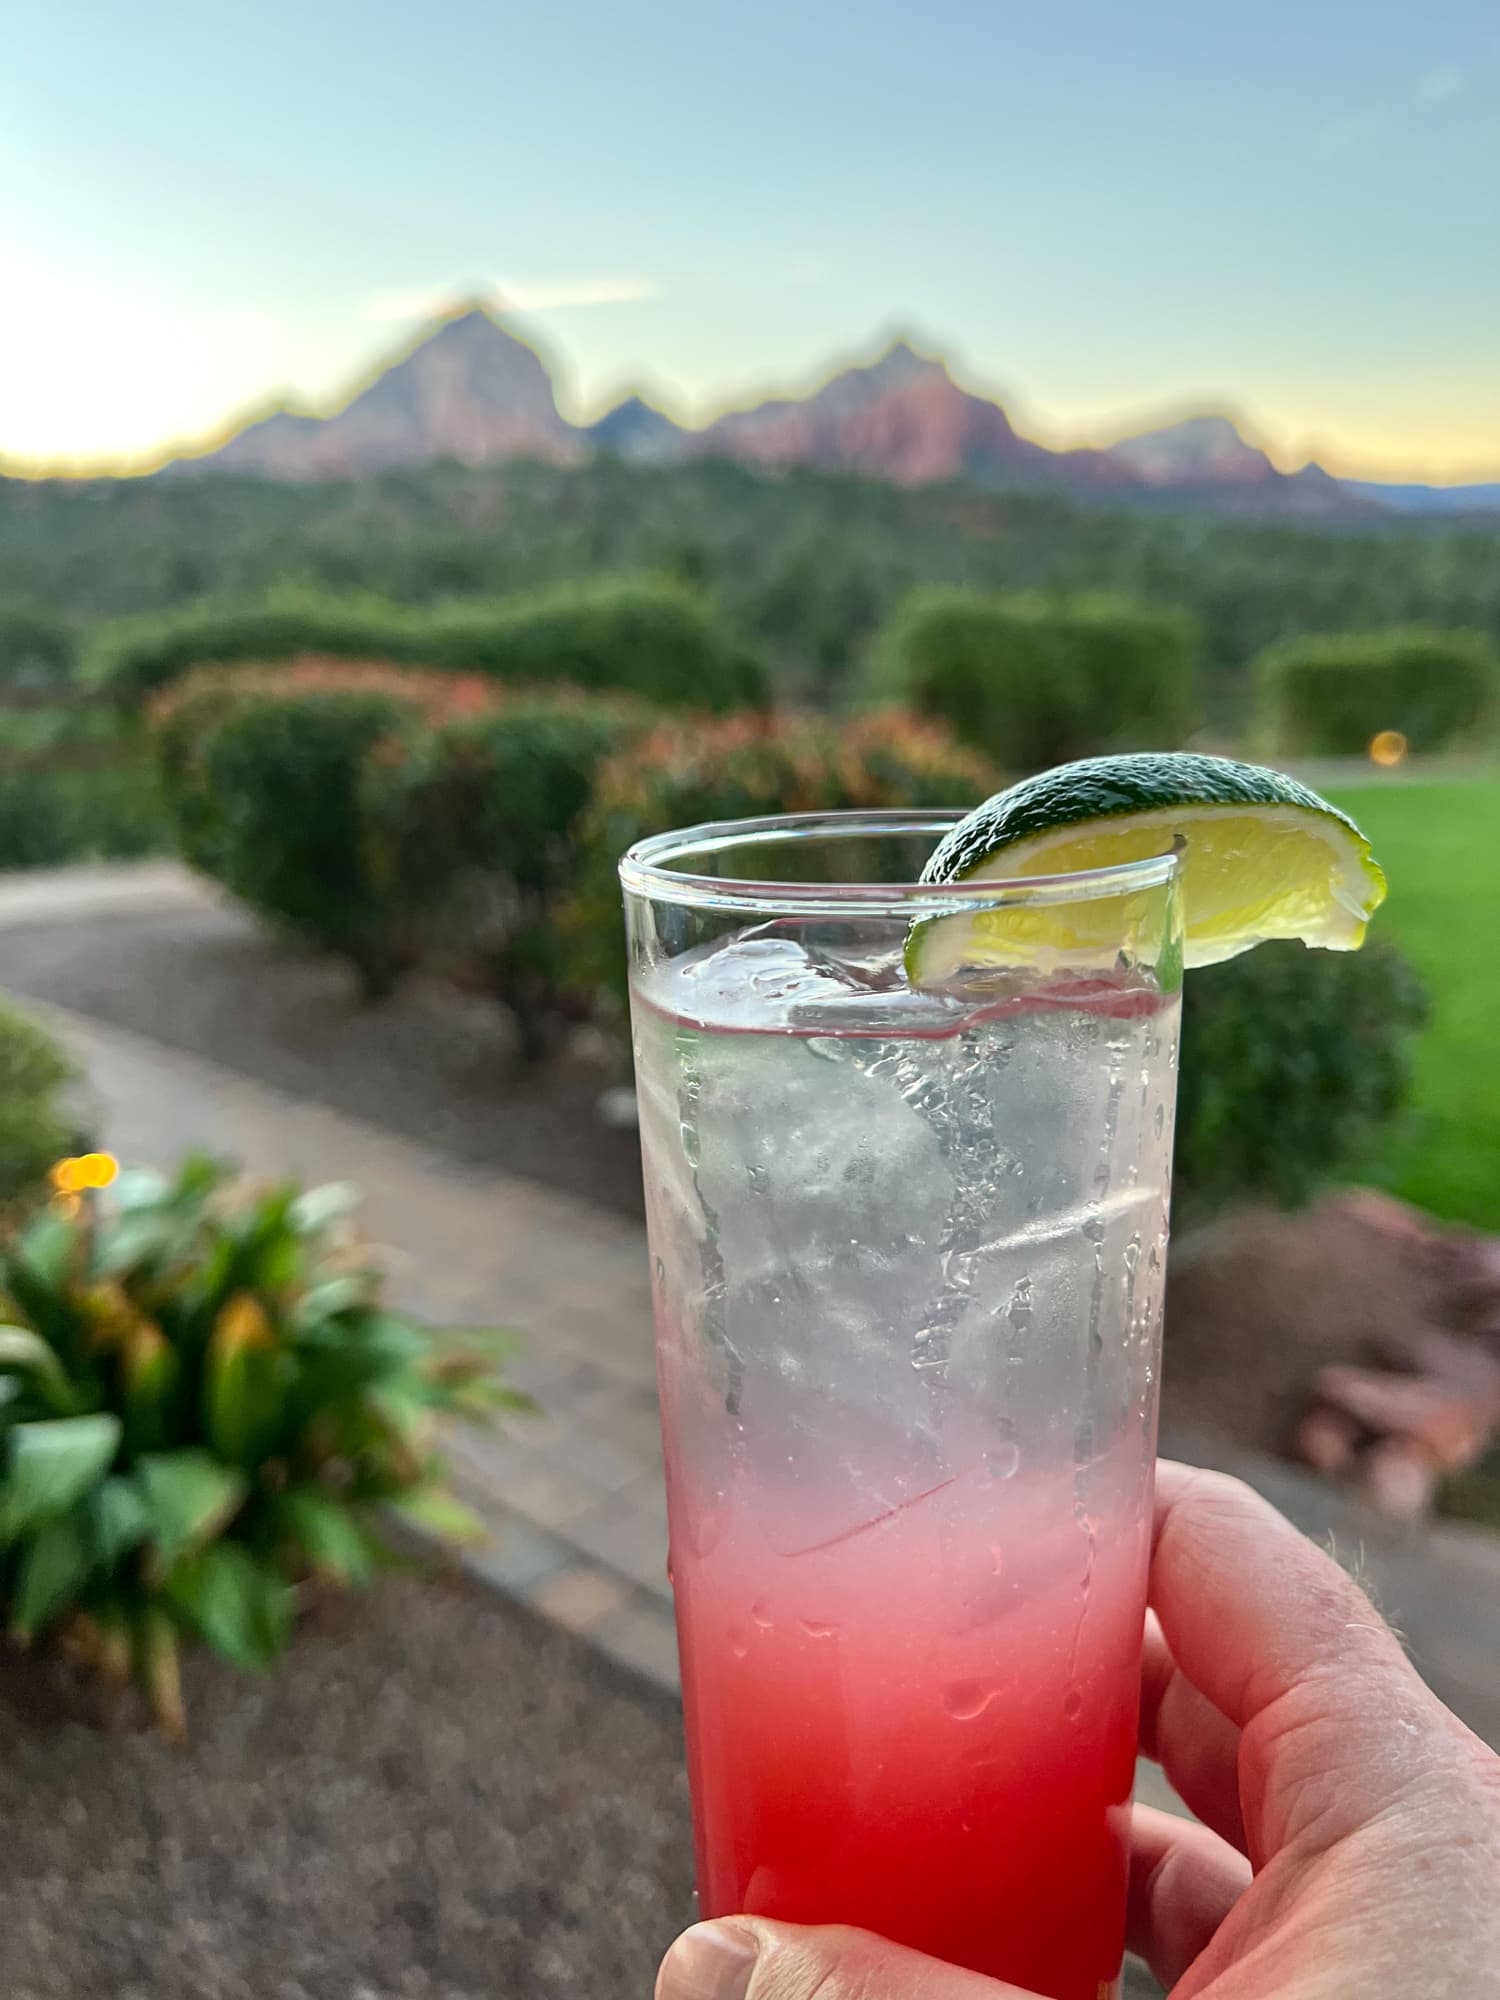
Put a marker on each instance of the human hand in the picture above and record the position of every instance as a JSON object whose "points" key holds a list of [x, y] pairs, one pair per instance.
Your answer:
{"points": [[1350, 1836]]}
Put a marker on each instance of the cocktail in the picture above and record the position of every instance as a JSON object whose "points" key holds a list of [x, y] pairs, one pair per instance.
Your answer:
{"points": [[907, 1153]]}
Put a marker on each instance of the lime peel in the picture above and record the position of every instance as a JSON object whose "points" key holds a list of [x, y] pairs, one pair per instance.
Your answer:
{"points": [[1263, 856]]}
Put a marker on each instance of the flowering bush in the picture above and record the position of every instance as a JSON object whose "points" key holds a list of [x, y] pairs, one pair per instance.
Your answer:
{"points": [[203, 1407], [685, 772]]}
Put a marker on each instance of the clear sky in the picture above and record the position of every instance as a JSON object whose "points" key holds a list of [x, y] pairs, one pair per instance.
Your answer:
{"points": [[1098, 208]]}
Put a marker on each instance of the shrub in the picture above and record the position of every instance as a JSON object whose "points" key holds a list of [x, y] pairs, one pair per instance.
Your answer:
{"points": [[653, 638], [49, 816], [34, 1127], [1290, 1059], [1329, 696], [469, 832], [262, 769], [204, 1408], [37, 649], [1034, 680], [683, 773]]}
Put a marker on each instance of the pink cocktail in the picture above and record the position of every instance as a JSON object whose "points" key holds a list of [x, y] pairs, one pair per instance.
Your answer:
{"points": [[909, 1256]]}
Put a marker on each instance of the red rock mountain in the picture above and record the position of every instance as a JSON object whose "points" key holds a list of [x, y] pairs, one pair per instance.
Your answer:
{"points": [[1208, 458], [468, 390], [901, 418]]}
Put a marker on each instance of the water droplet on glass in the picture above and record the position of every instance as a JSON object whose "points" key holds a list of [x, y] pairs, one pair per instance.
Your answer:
{"points": [[815, 1629], [963, 1700], [1159, 1120], [1004, 1460], [1072, 1704], [761, 1612], [739, 1645], [758, 1179], [997, 1560]]}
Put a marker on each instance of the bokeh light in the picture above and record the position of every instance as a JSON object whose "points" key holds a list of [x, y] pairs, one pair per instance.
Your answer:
{"points": [[1387, 748]]}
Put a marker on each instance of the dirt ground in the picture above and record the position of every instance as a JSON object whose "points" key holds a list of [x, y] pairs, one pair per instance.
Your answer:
{"points": [[439, 1797]]}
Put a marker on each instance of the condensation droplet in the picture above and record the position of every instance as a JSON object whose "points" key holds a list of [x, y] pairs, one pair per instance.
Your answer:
{"points": [[761, 1612], [997, 1560], [1004, 1460], [1072, 1704], [1159, 1120], [815, 1629], [963, 1700], [739, 1645]]}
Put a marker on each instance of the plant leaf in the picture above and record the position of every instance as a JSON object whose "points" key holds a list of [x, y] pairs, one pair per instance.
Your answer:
{"points": [[190, 1495], [242, 1382], [334, 1295], [438, 1512], [49, 1464], [137, 1187], [46, 1248], [23, 1350], [240, 1606], [57, 1562], [119, 1517], [313, 1211], [328, 1535], [150, 1369]]}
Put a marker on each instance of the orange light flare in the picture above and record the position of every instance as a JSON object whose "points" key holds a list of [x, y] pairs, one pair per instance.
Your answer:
{"points": [[1388, 748]]}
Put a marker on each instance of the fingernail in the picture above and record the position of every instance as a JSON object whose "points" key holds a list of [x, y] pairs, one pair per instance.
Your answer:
{"points": [[709, 1962]]}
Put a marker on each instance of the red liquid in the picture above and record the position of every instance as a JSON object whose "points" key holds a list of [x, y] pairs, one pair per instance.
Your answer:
{"points": [[920, 1730]]}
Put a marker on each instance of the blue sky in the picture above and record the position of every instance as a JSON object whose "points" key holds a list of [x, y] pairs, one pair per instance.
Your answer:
{"points": [[1098, 209]]}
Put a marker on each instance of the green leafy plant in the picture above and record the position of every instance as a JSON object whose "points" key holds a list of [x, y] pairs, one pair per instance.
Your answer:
{"points": [[1291, 1060], [1033, 680], [34, 1125], [262, 772], [684, 772], [203, 1408], [639, 634], [1329, 696], [469, 822]]}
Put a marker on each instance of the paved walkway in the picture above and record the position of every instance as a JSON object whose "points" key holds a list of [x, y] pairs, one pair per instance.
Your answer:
{"points": [[576, 1496]]}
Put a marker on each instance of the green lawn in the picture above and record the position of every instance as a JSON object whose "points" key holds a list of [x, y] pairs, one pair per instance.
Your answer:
{"points": [[1439, 842]]}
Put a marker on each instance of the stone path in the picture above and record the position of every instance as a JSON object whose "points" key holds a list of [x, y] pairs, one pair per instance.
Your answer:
{"points": [[576, 1497]]}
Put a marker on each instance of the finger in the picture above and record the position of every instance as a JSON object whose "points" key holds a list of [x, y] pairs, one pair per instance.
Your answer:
{"points": [[1184, 1881], [1197, 1747], [750, 1958], [1291, 1651]]}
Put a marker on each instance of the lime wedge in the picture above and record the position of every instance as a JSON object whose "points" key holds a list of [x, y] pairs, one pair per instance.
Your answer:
{"points": [[1263, 857]]}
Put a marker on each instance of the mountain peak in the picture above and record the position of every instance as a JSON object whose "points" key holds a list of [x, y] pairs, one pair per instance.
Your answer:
{"points": [[1209, 448]]}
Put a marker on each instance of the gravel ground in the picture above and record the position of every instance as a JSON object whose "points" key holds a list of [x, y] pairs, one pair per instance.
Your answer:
{"points": [[429, 1064], [439, 1797]]}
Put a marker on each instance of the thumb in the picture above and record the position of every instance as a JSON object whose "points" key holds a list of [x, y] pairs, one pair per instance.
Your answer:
{"points": [[750, 1958]]}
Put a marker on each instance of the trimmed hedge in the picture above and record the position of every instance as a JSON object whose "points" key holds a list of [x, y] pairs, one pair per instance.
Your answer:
{"points": [[1290, 1060], [1033, 680], [35, 1128], [262, 773], [1329, 696], [394, 816], [641, 635], [683, 773], [468, 829]]}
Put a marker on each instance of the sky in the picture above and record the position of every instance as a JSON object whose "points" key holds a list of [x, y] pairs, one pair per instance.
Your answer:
{"points": [[1099, 210]]}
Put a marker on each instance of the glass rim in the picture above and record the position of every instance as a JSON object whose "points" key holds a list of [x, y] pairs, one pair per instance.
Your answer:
{"points": [[643, 872]]}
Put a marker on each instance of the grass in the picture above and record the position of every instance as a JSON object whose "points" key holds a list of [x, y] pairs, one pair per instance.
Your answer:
{"points": [[1439, 842]]}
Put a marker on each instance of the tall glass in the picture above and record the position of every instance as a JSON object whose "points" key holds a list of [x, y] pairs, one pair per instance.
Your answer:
{"points": [[908, 1250]]}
